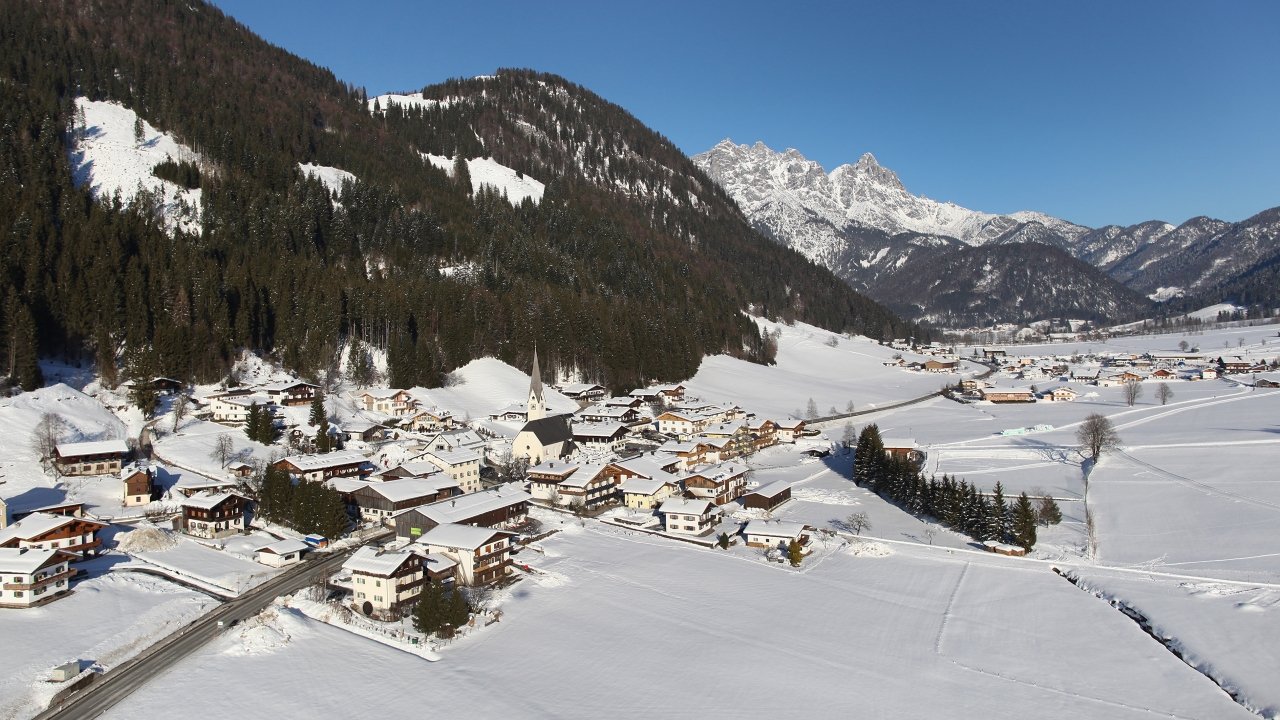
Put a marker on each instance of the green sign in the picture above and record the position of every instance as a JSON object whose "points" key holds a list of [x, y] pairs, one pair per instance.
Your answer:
{"points": [[415, 531]]}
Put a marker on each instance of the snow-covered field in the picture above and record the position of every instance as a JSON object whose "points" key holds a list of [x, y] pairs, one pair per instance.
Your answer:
{"points": [[486, 385], [689, 632], [205, 565], [107, 620], [487, 171]]}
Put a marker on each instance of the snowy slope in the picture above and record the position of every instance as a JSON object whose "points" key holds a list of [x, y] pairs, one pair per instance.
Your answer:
{"points": [[486, 385], [486, 171], [106, 157], [332, 177], [405, 100]]}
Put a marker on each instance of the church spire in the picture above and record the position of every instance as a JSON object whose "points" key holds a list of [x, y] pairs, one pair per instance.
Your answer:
{"points": [[537, 406]]}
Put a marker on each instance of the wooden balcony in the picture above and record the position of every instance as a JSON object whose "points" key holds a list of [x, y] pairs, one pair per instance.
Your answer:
{"points": [[42, 582]]}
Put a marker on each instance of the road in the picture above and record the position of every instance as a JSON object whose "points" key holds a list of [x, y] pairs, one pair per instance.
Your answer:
{"points": [[116, 684]]}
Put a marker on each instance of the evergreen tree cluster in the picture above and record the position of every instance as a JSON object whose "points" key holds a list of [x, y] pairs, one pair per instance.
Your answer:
{"points": [[261, 425], [954, 502], [307, 507], [438, 609], [625, 286]]}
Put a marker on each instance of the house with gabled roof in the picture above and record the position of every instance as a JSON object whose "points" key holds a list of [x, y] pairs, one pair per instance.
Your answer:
{"points": [[33, 576], [76, 536], [386, 581], [768, 497], [291, 393], [381, 501], [720, 484], [462, 465], [138, 482], [389, 401], [505, 506], [103, 457], [775, 533], [689, 516], [281, 553], [483, 554], [317, 468], [214, 516]]}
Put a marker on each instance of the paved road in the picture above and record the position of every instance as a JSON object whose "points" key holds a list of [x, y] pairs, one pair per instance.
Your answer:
{"points": [[129, 676]]}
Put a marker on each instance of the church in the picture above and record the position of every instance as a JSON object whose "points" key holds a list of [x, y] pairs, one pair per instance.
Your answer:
{"points": [[542, 438]]}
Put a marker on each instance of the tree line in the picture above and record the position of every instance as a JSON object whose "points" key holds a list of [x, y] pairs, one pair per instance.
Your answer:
{"points": [[954, 502], [308, 507]]}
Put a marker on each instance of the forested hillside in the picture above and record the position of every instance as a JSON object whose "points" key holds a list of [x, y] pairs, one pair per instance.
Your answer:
{"points": [[631, 269]]}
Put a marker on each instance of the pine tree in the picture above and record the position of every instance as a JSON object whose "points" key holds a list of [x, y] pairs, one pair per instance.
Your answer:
{"points": [[458, 611], [317, 408], [1024, 523], [427, 614], [795, 553], [1048, 513], [999, 515]]}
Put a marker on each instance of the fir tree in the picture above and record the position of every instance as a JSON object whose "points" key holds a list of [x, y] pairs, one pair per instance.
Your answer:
{"points": [[428, 614], [795, 553], [999, 528], [1024, 523]]}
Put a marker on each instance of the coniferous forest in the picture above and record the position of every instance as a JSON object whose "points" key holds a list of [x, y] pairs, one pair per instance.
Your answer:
{"points": [[631, 269]]}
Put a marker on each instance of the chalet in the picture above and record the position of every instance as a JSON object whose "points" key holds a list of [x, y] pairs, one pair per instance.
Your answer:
{"points": [[159, 385], [764, 433], [681, 423], [1208, 373], [718, 449], [68, 508], [686, 454], [213, 516], [411, 469], [1008, 395], [1062, 393], [582, 392], [625, 401], [291, 393], [721, 484], [463, 466], [543, 439], [769, 497], [233, 408], [941, 366], [1234, 365], [505, 506], [515, 412], [609, 414], [29, 576], [606, 437], [190, 484], [384, 582], [138, 482], [901, 449], [428, 420], [363, 430], [740, 441], [789, 430], [775, 534], [688, 517], [398, 403], [669, 394], [281, 553], [545, 478], [969, 386], [381, 501], [639, 493], [483, 554], [438, 569], [316, 468], [76, 536], [590, 487], [457, 439], [1163, 374], [240, 469], [1085, 375], [104, 457]]}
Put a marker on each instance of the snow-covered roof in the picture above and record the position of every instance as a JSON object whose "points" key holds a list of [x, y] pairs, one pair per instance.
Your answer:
{"points": [[463, 537], [772, 489], [367, 561], [898, 443], [685, 506], [284, 547], [560, 468], [775, 528], [579, 388], [25, 560], [584, 477], [287, 385], [453, 458], [598, 430], [101, 447], [309, 463], [468, 506], [410, 488], [644, 486], [383, 393], [413, 468], [35, 525], [206, 502]]}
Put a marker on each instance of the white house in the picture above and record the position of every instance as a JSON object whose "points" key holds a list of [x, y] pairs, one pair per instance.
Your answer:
{"points": [[689, 517], [32, 576], [463, 466], [645, 493], [386, 581], [482, 554], [399, 403], [775, 533]]}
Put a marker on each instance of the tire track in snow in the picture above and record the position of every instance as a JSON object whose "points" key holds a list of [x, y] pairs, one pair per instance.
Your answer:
{"points": [[1227, 494]]}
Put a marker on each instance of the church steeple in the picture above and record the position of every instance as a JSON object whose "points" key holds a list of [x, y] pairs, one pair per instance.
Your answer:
{"points": [[537, 406]]}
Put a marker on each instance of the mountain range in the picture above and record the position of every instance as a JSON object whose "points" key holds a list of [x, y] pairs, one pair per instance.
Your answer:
{"points": [[944, 263]]}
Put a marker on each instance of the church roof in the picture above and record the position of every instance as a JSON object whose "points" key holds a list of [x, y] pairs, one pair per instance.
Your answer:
{"points": [[550, 430]]}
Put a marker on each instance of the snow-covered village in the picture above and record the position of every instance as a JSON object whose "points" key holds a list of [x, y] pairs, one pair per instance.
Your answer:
{"points": [[372, 360]]}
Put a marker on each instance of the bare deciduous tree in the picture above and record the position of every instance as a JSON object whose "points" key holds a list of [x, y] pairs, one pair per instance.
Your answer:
{"points": [[1096, 436], [930, 533], [47, 435], [858, 522], [180, 406], [222, 449], [1164, 393], [1132, 391]]}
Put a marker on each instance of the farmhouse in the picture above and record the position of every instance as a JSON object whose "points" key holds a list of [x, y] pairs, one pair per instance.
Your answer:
{"points": [[315, 468], [775, 534], [76, 536], [398, 403], [33, 576], [291, 393], [384, 582], [901, 449], [721, 484], [590, 487], [380, 501], [605, 437], [790, 429], [545, 478], [1008, 395], [609, 414], [213, 516], [90, 458], [940, 366], [505, 506], [482, 554], [427, 420], [582, 392], [137, 481]]}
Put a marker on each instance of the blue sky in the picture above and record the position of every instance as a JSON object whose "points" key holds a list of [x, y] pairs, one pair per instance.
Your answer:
{"points": [[1098, 112]]}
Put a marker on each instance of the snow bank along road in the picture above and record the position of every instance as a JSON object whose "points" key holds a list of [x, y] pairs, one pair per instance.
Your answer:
{"points": [[117, 684]]}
